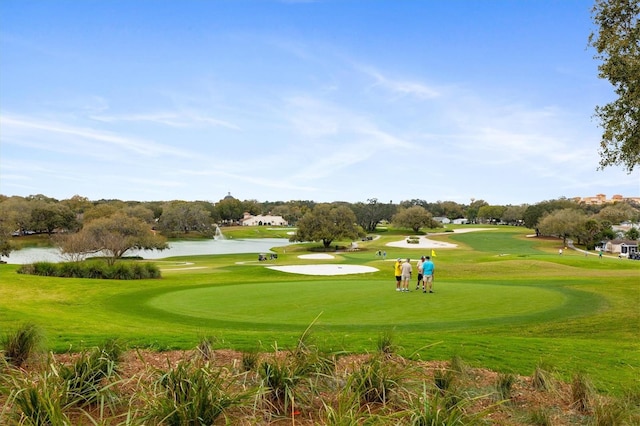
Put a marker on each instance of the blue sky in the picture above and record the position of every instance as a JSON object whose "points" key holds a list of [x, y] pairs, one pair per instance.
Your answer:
{"points": [[334, 100]]}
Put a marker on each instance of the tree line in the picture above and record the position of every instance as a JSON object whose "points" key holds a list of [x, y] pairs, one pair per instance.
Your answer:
{"points": [[80, 226]]}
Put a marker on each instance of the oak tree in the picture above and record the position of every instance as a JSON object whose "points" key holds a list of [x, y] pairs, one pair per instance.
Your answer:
{"points": [[617, 42]]}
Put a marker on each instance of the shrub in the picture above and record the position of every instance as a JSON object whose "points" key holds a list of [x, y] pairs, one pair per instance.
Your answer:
{"points": [[152, 270], [542, 378], [385, 344], [444, 380], [582, 392], [70, 270], [279, 379], [443, 411], [121, 271], [250, 360], [22, 344], [86, 378], [93, 269], [540, 417], [45, 269], [458, 365], [39, 401], [504, 385], [191, 395], [374, 381], [205, 349]]}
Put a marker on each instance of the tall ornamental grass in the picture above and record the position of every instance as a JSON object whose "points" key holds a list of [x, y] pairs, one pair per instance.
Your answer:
{"points": [[22, 344]]}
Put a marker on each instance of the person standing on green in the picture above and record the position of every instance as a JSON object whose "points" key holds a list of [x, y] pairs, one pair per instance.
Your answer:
{"points": [[397, 267], [428, 271]]}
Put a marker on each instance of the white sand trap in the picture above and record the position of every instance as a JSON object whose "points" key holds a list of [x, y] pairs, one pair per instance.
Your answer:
{"points": [[424, 242], [328, 269], [319, 256]]}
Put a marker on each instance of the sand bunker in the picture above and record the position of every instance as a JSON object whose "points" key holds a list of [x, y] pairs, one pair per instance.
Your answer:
{"points": [[328, 269], [319, 256], [424, 242]]}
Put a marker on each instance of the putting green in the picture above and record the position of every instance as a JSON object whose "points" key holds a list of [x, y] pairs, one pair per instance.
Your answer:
{"points": [[362, 303]]}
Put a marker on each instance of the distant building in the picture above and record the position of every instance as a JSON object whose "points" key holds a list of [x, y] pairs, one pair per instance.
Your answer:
{"points": [[621, 247], [442, 219], [602, 199], [262, 220]]}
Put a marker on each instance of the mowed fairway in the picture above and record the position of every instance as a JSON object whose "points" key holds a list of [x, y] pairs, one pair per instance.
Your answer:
{"points": [[502, 301]]}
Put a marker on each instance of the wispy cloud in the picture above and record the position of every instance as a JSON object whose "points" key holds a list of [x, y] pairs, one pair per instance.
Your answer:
{"points": [[183, 120], [81, 135], [399, 87]]}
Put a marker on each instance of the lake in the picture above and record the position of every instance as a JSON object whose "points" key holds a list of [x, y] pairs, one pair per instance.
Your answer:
{"points": [[176, 248]]}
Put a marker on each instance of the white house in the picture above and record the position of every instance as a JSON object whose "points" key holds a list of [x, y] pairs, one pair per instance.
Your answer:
{"points": [[442, 219], [621, 247], [261, 220]]}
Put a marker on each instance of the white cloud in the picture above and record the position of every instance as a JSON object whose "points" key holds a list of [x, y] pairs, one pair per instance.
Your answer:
{"points": [[82, 137]]}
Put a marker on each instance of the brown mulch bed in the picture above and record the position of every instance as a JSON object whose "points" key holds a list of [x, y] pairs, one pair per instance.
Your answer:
{"points": [[479, 384]]}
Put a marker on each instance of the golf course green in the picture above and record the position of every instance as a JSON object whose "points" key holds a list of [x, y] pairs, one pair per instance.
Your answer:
{"points": [[502, 300], [345, 303]]}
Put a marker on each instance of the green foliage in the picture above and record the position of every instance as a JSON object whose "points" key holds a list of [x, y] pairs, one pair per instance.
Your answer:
{"points": [[250, 360], [86, 379], [385, 343], [280, 379], [37, 402], [540, 417], [375, 381], [617, 42], [23, 344], [444, 380], [415, 218], [504, 386], [288, 378], [189, 394], [442, 410], [327, 223], [93, 269]]}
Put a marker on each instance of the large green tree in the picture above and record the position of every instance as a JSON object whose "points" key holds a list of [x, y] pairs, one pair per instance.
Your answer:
{"points": [[617, 42], [50, 216], [415, 217], [327, 223], [563, 223], [369, 214], [184, 216]]}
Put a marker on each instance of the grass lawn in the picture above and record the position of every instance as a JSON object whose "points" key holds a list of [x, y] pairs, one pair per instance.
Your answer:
{"points": [[503, 301]]}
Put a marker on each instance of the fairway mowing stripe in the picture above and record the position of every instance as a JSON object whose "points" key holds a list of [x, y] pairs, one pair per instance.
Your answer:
{"points": [[183, 269]]}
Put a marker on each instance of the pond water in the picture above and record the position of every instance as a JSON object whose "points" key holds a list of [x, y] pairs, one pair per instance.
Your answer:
{"points": [[176, 248]]}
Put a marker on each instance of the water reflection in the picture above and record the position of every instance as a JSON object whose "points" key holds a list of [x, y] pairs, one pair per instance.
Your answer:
{"points": [[177, 248]]}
